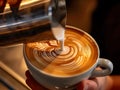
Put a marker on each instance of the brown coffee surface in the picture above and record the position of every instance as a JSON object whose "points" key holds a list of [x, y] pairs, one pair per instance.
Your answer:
{"points": [[79, 54]]}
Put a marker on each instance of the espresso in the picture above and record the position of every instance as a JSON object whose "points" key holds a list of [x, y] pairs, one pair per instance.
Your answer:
{"points": [[79, 54]]}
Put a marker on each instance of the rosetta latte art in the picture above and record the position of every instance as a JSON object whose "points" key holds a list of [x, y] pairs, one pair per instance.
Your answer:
{"points": [[72, 60]]}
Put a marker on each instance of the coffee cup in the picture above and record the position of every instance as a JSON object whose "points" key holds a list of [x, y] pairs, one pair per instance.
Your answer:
{"points": [[58, 69]]}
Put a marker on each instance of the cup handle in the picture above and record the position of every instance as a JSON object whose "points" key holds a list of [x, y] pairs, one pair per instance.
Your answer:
{"points": [[104, 63]]}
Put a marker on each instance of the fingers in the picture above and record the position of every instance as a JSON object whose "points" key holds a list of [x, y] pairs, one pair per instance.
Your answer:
{"points": [[30, 81], [27, 73], [90, 85], [98, 83], [87, 85]]}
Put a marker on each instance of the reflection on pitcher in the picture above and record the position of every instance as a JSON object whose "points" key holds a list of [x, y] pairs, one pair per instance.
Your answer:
{"points": [[26, 20], [14, 6]]}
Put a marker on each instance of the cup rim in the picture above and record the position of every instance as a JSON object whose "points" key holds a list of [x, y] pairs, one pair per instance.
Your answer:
{"points": [[74, 75]]}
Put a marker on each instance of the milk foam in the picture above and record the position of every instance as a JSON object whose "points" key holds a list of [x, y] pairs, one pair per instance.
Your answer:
{"points": [[77, 56], [58, 33]]}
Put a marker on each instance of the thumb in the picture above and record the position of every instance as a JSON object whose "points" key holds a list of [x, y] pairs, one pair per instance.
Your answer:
{"points": [[87, 85]]}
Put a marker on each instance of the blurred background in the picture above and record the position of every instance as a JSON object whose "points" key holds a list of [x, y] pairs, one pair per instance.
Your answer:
{"points": [[90, 15]]}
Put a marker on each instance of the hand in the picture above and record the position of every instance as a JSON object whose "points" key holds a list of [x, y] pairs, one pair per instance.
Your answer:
{"points": [[98, 83], [32, 83]]}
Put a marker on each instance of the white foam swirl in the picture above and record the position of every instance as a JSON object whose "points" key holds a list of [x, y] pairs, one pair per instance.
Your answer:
{"points": [[71, 60]]}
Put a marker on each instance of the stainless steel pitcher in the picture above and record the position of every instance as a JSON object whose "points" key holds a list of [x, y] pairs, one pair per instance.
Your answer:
{"points": [[30, 19]]}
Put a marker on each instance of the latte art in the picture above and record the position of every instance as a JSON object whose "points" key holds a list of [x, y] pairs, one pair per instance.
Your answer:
{"points": [[78, 54]]}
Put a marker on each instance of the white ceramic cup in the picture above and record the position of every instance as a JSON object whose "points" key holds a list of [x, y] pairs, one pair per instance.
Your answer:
{"points": [[67, 83]]}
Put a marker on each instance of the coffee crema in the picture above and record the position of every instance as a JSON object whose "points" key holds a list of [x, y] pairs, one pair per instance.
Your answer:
{"points": [[79, 54]]}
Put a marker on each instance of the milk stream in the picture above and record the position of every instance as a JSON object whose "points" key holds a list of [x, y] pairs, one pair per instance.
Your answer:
{"points": [[58, 33]]}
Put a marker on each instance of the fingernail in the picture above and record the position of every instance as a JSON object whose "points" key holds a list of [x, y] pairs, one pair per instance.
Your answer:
{"points": [[86, 87]]}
